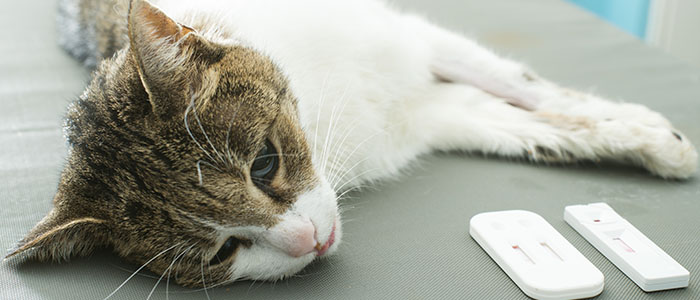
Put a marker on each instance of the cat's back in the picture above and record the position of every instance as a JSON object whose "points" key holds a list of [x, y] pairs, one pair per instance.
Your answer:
{"points": [[359, 49], [330, 32]]}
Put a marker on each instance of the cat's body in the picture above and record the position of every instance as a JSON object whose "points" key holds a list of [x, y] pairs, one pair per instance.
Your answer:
{"points": [[364, 91]]}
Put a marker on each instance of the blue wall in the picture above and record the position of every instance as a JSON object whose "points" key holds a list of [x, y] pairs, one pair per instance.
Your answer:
{"points": [[630, 15]]}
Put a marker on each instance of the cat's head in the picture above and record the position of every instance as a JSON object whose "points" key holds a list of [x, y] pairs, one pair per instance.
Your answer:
{"points": [[187, 155]]}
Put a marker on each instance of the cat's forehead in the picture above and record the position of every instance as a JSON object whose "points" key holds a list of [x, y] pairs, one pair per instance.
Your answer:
{"points": [[247, 96]]}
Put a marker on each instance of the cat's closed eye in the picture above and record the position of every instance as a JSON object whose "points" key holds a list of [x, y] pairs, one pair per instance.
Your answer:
{"points": [[227, 250]]}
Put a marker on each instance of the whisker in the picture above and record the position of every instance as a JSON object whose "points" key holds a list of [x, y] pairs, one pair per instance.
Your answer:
{"points": [[204, 283], [209, 272], [351, 189], [338, 179], [357, 147], [225, 282], [334, 117], [338, 168], [250, 286], [199, 169], [355, 177], [339, 147], [175, 258], [130, 271], [139, 269], [189, 131], [382, 131], [320, 106], [167, 282], [206, 136], [345, 100], [329, 130]]}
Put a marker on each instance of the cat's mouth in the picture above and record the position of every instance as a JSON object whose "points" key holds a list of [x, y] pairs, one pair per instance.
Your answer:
{"points": [[322, 249]]}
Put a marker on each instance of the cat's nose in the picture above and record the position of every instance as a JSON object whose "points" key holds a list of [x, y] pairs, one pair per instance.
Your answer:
{"points": [[293, 235]]}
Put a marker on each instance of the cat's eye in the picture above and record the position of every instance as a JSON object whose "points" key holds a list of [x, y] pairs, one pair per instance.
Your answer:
{"points": [[226, 251], [265, 164]]}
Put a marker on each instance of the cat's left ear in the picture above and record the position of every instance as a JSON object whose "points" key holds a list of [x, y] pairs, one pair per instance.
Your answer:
{"points": [[170, 57], [58, 237]]}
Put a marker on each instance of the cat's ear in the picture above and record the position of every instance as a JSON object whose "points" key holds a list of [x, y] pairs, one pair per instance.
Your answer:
{"points": [[59, 237], [169, 57]]}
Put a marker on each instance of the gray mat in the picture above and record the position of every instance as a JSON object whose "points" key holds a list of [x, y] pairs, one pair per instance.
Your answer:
{"points": [[405, 239]]}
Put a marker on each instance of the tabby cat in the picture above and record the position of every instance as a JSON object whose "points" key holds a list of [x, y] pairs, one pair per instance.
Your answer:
{"points": [[217, 136]]}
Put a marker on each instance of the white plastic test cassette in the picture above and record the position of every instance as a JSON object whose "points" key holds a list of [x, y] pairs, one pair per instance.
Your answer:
{"points": [[626, 247], [535, 256]]}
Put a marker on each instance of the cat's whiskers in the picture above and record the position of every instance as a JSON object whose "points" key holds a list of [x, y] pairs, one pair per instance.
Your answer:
{"points": [[318, 114], [199, 169], [255, 280], [333, 119], [204, 282], [167, 270], [338, 172], [225, 282], [339, 176], [130, 271], [334, 174], [329, 130], [344, 100], [189, 131], [206, 136], [139, 269], [167, 282], [357, 147], [252, 283], [340, 188], [351, 189], [340, 146]]}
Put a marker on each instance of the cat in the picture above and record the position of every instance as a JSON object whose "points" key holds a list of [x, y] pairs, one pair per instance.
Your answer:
{"points": [[216, 137]]}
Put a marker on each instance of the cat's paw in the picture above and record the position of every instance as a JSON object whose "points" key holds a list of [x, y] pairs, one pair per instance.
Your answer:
{"points": [[664, 150], [669, 154], [658, 148]]}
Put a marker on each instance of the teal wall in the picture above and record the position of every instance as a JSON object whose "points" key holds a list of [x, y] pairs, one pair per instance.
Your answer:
{"points": [[630, 15]]}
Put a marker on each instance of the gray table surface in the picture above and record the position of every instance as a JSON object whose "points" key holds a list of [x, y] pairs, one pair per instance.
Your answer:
{"points": [[406, 239]]}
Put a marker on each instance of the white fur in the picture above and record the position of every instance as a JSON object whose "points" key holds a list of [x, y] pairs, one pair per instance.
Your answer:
{"points": [[269, 256], [365, 77]]}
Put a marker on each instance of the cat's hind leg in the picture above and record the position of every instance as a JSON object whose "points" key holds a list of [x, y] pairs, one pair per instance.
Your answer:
{"points": [[461, 117], [585, 126]]}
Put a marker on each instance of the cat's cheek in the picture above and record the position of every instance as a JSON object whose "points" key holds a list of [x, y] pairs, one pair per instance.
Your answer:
{"points": [[338, 238]]}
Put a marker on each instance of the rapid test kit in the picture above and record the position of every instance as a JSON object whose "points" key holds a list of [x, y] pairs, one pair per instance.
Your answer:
{"points": [[544, 265]]}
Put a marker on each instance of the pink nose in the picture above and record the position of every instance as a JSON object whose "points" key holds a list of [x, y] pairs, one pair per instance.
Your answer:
{"points": [[294, 235]]}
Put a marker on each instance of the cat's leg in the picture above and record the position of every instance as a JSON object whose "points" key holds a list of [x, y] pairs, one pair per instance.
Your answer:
{"points": [[461, 117], [619, 131]]}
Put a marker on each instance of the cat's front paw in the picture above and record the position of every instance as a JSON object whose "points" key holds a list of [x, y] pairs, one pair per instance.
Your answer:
{"points": [[669, 154], [658, 148], [633, 132]]}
